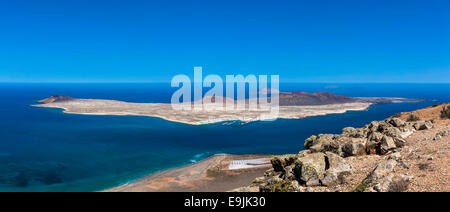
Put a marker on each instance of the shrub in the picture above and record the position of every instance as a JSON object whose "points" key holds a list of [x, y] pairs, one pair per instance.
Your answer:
{"points": [[400, 185], [424, 166], [445, 112], [412, 117], [364, 185]]}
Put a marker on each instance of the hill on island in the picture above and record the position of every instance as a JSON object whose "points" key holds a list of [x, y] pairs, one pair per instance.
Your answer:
{"points": [[55, 98], [318, 98]]}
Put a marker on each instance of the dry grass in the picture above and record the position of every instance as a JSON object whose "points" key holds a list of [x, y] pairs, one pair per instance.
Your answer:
{"points": [[424, 166], [400, 185], [428, 113]]}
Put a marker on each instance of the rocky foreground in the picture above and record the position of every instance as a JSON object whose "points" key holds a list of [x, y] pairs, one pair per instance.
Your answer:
{"points": [[407, 152]]}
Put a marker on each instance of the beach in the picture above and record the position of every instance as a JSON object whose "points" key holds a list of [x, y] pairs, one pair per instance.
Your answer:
{"points": [[210, 175]]}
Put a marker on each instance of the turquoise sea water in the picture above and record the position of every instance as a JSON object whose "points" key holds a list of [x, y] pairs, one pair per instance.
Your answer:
{"points": [[44, 149]]}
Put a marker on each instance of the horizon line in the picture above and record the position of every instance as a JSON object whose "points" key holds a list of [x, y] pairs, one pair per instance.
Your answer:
{"points": [[155, 82]]}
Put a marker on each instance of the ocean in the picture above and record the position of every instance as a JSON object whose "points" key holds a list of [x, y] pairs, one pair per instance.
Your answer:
{"points": [[43, 149]]}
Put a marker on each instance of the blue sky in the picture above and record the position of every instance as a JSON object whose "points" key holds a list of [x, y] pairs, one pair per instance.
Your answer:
{"points": [[302, 41]]}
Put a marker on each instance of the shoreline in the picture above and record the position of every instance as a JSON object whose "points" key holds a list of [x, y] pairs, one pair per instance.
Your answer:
{"points": [[65, 110], [211, 174], [290, 105], [165, 111]]}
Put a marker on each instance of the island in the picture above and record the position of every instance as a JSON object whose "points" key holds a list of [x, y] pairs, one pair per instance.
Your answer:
{"points": [[292, 105]]}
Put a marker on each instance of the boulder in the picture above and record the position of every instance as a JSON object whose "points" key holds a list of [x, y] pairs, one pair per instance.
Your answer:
{"points": [[349, 131], [356, 147], [406, 131], [373, 126], [375, 137], [396, 122], [311, 141], [310, 168], [289, 159], [392, 132], [354, 133], [423, 125], [399, 142], [337, 169], [387, 144], [322, 143], [278, 163], [383, 126], [288, 173], [327, 145], [383, 169], [336, 163], [373, 143]]}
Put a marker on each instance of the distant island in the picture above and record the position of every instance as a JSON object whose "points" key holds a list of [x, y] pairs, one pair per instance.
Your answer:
{"points": [[293, 105]]}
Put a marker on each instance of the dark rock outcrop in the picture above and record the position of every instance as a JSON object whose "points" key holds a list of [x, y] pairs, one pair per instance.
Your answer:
{"points": [[378, 137], [423, 125], [310, 169]]}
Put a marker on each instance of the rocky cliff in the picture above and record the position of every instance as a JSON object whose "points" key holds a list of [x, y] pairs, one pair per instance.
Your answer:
{"points": [[372, 158]]}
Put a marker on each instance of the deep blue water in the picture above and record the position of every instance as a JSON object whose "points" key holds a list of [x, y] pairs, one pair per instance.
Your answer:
{"points": [[44, 149]]}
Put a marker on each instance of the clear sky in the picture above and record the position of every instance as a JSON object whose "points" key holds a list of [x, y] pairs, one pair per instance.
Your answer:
{"points": [[302, 41]]}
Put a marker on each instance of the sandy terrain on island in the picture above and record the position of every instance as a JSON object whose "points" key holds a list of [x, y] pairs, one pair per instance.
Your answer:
{"points": [[210, 175], [165, 111]]}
